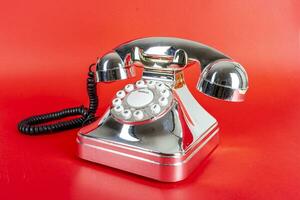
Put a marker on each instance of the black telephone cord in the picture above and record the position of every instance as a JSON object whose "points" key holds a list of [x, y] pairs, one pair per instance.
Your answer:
{"points": [[33, 125]]}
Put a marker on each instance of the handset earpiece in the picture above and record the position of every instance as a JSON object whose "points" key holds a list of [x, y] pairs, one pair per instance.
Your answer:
{"points": [[225, 80]]}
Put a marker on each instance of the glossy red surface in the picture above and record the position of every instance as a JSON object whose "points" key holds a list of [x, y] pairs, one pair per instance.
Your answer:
{"points": [[46, 47]]}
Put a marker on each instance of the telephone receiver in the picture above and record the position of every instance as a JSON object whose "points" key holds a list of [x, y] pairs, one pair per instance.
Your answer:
{"points": [[153, 127], [221, 77]]}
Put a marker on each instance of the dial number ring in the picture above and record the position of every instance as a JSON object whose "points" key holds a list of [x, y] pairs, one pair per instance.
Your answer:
{"points": [[144, 103]]}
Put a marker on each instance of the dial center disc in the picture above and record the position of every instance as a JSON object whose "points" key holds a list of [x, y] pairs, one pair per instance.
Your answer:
{"points": [[140, 98]]}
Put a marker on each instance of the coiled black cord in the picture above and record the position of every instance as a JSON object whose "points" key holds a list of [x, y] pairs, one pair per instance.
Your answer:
{"points": [[32, 125]]}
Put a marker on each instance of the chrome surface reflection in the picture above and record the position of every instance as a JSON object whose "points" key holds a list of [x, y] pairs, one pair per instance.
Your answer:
{"points": [[224, 79], [166, 136], [111, 68], [167, 149], [170, 147], [167, 46], [221, 77], [152, 59], [163, 136], [115, 65]]}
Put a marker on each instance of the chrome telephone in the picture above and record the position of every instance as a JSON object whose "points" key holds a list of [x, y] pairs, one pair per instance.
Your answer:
{"points": [[153, 127]]}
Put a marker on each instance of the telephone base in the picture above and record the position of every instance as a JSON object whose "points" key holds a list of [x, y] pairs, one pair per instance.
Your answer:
{"points": [[167, 149], [160, 166]]}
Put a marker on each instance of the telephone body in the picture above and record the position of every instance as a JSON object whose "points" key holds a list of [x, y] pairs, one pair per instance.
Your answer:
{"points": [[155, 127]]}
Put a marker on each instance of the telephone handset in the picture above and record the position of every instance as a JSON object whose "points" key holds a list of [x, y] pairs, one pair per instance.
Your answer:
{"points": [[153, 127]]}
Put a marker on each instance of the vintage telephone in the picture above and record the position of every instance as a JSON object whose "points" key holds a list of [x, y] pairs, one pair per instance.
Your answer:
{"points": [[154, 127]]}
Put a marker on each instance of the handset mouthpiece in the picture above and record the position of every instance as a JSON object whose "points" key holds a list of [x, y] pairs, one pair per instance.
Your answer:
{"points": [[111, 68]]}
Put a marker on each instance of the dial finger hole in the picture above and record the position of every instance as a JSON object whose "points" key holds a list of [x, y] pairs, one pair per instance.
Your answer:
{"points": [[129, 87], [121, 94], [117, 102], [126, 114], [151, 84], [138, 115], [140, 84], [163, 101], [155, 108], [165, 93], [118, 109], [160, 86]]}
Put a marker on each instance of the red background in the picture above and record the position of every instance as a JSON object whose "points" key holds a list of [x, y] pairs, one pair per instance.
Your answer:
{"points": [[46, 46]]}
